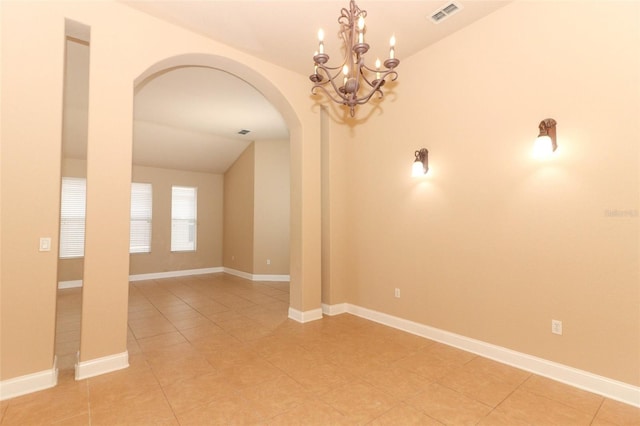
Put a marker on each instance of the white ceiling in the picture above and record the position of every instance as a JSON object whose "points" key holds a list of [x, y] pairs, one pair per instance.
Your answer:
{"points": [[189, 118]]}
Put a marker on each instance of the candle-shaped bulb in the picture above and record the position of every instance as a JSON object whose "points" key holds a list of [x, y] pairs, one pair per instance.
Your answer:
{"points": [[361, 30], [378, 68], [345, 72], [392, 49], [321, 41]]}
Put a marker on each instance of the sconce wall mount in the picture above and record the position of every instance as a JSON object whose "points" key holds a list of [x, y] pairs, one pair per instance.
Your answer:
{"points": [[421, 163], [547, 129]]}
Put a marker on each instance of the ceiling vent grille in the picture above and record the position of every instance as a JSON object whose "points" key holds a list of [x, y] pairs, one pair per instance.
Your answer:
{"points": [[243, 132], [444, 12]]}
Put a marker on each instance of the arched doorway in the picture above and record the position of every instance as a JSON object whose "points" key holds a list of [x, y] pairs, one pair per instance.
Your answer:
{"points": [[299, 299]]}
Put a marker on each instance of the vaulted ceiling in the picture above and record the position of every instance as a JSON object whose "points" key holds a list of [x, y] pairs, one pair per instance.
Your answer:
{"points": [[189, 118]]}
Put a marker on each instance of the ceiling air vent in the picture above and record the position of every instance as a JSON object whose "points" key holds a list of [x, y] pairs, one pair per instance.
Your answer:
{"points": [[444, 12], [243, 132]]}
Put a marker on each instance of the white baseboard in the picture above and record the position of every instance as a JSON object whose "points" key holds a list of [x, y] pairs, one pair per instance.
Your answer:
{"points": [[306, 316], [107, 364], [272, 278], [70, 284], [172, 274], [257, 277], [29, 383], [337, 309], [187, 272], [600, 385]]}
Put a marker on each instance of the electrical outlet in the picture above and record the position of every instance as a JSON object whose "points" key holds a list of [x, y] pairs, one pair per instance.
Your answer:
{"points": [[556, 327], [397, 293], [268, 261]]}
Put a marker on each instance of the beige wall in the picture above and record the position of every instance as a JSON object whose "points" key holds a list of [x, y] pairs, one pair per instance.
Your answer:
{"points": [[238, 212], [30, 168], [257, 210], [208, 252], [161, 259], [271, 208], [492, 244], [122, 54], [336, 202]]}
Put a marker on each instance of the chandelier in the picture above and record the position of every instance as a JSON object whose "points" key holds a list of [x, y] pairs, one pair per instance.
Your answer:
{"points": [[352, 83]]}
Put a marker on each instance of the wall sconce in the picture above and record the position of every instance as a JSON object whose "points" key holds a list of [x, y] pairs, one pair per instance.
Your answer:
{"points": [[546, 142], [421, 163]]}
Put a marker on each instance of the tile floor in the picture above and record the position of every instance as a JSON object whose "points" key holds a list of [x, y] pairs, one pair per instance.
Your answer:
{"points": [[219, 350]]}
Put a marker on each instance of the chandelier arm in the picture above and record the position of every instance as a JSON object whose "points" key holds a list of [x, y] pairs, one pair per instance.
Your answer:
{"points": [[339, 100], [330, 79]]}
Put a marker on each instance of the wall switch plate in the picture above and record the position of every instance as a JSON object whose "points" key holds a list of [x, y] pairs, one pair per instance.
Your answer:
{"points": [[45, 244], [397, 293], [556, 327], [268, 261]]}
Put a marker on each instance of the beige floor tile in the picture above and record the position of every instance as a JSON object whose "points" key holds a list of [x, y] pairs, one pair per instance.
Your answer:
{"points": [[169, 371], [3, 407], [201, 331], [146, 408], [150, 329], [67, 400], [276, 396], [524, 406], [218, 349], [148, 344], [477, 385], [502, 372], [227, 356], [618, 413], [292, 357], [120, 386], [251, 373], [404, 415], [497, 418], [568, 395], [192, 322], [248, 334], [322, 378], [209, 307], [359, 402], [187, 394], [215, 342], [311, 413], [429, 365], [448, 406], [398, 382], [228, 410], [83, 419]]}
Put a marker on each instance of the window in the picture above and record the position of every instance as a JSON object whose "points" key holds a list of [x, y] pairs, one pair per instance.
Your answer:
{"points": [[72, 215], [140, 230], [183, 218]]}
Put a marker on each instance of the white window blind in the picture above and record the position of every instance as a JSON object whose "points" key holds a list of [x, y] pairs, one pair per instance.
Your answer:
{"points": [[72, 217], [140, 229], [183, 218]]}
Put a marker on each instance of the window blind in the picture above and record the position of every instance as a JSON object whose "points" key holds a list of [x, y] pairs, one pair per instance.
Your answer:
{"points": [[141, 212], [183, 218], [72, 217]]}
